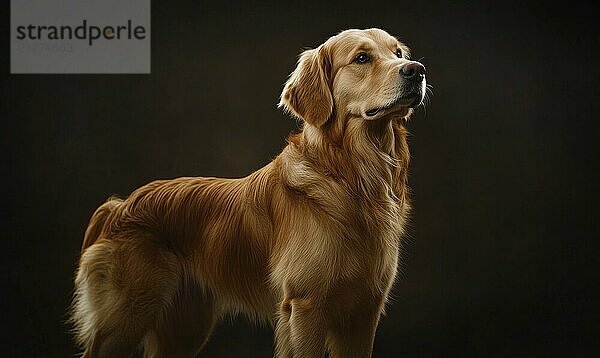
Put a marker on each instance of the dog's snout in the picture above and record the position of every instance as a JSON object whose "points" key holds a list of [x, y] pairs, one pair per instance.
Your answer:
{"points": [[413, 70]]}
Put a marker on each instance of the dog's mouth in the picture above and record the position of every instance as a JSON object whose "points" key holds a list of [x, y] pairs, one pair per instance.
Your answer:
{"points": [[399, 104]]}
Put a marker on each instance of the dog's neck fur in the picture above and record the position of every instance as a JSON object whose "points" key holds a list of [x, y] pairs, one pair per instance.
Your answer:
{"points": [[368, 158]]}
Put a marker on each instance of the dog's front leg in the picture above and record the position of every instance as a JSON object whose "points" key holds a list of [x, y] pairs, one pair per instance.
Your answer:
{"points": [[283, 343], [301, 329], [353, 335]]}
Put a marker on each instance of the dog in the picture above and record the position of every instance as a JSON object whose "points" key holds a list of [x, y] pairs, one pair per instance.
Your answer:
{"points": [[309, 243]]}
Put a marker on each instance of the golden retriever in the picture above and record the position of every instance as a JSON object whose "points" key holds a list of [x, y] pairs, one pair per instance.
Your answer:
{"points": [[309, 243]]}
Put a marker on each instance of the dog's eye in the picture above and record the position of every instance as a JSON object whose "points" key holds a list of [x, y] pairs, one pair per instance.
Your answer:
{"points": [[362, 58], [399, 53]]}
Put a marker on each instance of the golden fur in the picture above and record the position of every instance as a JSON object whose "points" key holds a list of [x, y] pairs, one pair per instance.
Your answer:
{"points": [[308, 243]]}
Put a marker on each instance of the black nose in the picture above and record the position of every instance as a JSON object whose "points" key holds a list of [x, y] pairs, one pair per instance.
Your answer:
{"points": [[412, 70]]}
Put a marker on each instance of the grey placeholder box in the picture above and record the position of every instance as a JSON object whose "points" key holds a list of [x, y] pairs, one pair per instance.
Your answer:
{"points": [[80, 36]]}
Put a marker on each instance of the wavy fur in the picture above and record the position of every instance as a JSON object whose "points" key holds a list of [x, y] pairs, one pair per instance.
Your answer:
{"points": [[309, 243]]}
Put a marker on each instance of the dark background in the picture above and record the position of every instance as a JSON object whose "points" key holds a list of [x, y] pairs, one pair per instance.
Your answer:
{"points": [[502, 258]]}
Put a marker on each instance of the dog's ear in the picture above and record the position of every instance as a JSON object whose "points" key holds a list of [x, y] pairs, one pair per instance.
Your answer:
{"points": [[307, 93]]}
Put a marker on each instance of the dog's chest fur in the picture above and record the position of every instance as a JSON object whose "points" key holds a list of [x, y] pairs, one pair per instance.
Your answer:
{"points": [[360, 205]]}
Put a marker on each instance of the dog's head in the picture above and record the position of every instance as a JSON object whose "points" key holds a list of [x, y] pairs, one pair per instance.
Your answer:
{"points": [[357, 73]]}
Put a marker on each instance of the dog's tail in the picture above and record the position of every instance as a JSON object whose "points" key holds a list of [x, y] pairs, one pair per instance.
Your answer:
{"points": [[98, 220]]}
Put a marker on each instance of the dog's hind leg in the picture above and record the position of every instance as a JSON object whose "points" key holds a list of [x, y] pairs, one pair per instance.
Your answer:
{"points": [[122, 286], [185, 326]]}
